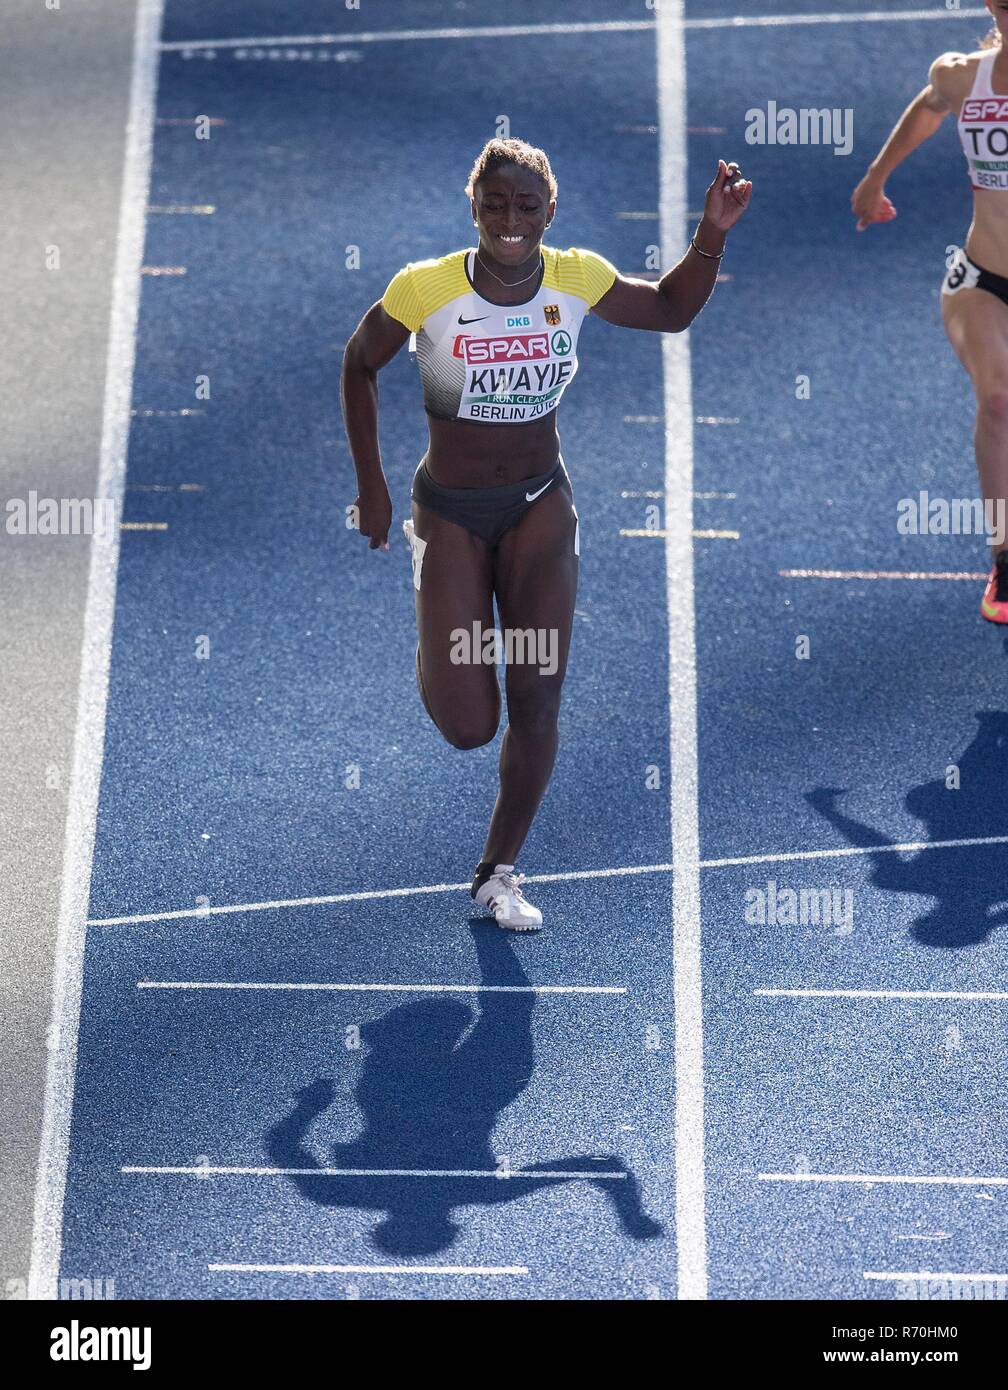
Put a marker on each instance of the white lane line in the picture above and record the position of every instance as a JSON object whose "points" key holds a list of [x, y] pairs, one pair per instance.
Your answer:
{"points": [[379, 893], [632, 871], [322, 901], [657, 419], [196, 209], [384, 989], [701, 496], [489, 31], [774, 21], [886, 1179], [691, 1237], [880, 574], [199, 1171], [366, 1269], [881, 994], [697, 535], [190, 120], [928, 1274], [89, 734], [164, 487], [911, 848], [507, 31]]}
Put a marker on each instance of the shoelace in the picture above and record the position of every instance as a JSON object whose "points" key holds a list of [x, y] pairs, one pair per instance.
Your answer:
{"points": [[511, 882]]}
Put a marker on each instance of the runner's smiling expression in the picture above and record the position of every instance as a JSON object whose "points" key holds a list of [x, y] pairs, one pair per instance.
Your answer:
{"points": [[511, 209]]}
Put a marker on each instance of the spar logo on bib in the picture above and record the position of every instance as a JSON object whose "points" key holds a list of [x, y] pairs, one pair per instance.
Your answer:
{"points": [[984, 109], [520, 347]]}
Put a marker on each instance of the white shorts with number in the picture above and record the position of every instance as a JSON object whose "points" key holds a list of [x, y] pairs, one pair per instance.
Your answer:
{"points": [[962, 274]]}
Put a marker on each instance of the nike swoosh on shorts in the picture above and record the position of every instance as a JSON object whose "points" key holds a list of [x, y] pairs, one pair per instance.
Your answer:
{"points": [[531, 496]]}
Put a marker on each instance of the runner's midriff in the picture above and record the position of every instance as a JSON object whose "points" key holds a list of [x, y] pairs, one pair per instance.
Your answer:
{"points": [[987, 243], [463, 453]]}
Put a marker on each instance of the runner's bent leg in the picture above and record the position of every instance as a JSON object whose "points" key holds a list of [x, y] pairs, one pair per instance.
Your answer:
{"points": [[455, 590]]}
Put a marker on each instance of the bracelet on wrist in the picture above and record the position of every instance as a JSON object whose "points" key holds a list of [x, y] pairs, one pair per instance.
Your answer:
{"points": [[707, 255]]}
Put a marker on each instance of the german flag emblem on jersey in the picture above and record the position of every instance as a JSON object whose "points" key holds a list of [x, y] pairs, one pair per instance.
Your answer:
{"points": [[552, 312]]}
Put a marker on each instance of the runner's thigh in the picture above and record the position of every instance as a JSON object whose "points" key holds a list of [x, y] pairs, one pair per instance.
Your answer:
{"points": [[456, 590], [976, 322], [535, 579]]}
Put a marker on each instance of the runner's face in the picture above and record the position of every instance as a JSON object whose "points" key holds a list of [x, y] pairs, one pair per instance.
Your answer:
{"points": [[511, 207]]}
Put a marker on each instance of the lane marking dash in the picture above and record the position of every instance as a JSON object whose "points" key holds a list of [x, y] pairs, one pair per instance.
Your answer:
{"points": [[880, 574]]}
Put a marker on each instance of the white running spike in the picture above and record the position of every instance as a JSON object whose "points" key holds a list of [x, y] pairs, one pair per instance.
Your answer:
{"points": [[501, 894]]}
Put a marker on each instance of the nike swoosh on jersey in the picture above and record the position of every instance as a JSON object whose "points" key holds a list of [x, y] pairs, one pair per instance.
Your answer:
{"points": [[531, 496], [479, 320]]}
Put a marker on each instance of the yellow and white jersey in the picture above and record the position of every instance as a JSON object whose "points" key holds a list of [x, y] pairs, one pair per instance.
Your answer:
{"points": [[500, 363]]}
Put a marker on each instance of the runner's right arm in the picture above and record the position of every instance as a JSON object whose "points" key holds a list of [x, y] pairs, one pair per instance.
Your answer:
{"points": [[918, 123], [376, 340]]}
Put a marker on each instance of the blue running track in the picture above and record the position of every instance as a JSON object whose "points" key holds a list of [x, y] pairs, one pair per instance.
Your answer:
{"points": [[508, 1131]]}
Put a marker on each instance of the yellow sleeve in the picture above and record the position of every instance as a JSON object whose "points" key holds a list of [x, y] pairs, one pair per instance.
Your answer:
{"points": [[402, 301], [598, 274]]}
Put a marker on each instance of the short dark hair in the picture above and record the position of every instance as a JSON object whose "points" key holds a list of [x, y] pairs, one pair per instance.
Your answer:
{"points": [[496, 153]]}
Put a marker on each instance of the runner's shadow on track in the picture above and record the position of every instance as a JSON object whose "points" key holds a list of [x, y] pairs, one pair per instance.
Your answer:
{"points": [[967, 883], [436, 1076]]}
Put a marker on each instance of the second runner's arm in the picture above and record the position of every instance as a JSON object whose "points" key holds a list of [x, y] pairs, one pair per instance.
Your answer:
{"points": [[918, 123]]}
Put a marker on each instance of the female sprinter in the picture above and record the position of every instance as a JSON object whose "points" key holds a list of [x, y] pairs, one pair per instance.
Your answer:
{"points": [[493, 513], [974, 296]]}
